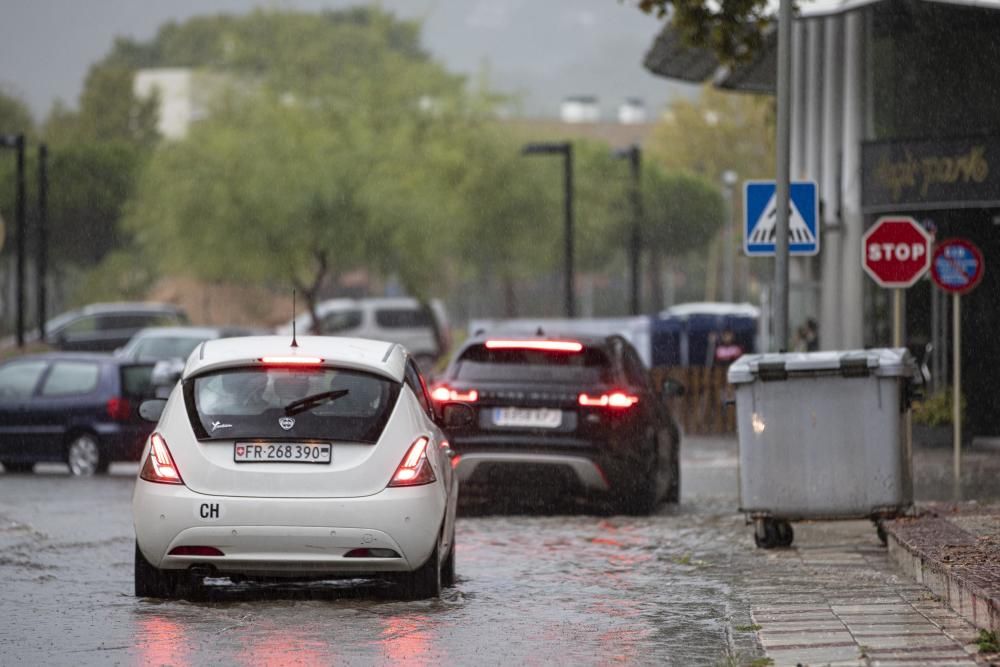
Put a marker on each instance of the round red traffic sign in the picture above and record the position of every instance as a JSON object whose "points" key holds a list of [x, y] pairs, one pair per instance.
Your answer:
{"points": [[897, 251], [957, 266]]}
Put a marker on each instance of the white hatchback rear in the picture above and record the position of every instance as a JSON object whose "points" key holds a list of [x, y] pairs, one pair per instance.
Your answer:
{"points": [[315, 461]]}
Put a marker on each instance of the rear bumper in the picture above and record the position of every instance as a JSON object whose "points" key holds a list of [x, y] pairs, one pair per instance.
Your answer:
{"points": [[287, 536], [588, 474]]}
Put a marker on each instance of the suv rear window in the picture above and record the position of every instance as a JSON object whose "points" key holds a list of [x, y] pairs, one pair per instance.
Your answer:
{"points": [[269, 403], [404, 318], [590, 366]]}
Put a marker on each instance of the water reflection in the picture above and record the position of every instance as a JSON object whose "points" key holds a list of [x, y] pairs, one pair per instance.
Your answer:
{"points": [[160, 641]]}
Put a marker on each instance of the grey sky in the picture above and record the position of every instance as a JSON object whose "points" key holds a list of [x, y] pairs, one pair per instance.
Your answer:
{"points": [[543, 49]]}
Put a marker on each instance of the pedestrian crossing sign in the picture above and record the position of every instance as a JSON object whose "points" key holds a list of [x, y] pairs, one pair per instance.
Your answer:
{"points": [[760, 213]]}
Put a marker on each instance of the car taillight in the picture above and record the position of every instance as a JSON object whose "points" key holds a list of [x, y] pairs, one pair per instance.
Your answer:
{"points": [[159, 466], [541, 345], [415, 469], [618, 399], [291, 361], [443, 394], [119, 409]]}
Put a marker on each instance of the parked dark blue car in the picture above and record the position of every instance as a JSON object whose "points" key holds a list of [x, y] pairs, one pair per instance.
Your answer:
{"points": [[77, 408]]}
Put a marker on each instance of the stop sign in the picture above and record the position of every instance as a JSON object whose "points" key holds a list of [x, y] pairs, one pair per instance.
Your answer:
{"points": [[897, 251]]}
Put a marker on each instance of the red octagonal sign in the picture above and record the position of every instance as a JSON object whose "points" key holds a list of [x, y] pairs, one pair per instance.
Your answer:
{"points": [[897, 251]]}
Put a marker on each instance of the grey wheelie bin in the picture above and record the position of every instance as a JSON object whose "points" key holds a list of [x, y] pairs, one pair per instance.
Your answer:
{"points": [[822, 435]]}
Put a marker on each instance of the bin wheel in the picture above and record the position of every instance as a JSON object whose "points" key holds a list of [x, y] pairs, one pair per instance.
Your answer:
{"points": [[785, 533], [771, 533], [880, 531]]}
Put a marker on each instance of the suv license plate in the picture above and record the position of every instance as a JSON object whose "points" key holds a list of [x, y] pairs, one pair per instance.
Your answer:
{"points": [[282, 452], [527, 417]]}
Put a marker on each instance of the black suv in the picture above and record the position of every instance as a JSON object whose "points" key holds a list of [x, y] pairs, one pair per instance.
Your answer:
{"points": [[562, 415]]}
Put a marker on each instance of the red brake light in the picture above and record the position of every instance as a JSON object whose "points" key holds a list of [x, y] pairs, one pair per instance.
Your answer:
{"points": [[415, 469], [616, 399], [159, 466], [543, 345], [291, 361], [119, 409], [443, 394], [195, 551]]}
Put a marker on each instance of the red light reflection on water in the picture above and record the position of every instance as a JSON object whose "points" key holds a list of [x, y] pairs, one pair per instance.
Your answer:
{"points": [[404, 639], [160, 642], [277, 647]]}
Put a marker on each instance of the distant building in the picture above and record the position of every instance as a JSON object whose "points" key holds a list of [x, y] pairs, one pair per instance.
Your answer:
{"points": [[184, 96], [580, 109], [632, 111]]}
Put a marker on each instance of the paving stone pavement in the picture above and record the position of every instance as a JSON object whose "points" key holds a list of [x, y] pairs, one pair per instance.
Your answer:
{"points": [[835, 598]]}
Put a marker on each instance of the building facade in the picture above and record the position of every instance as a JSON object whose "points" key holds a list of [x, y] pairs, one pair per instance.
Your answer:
{"points": [[893, 112]]}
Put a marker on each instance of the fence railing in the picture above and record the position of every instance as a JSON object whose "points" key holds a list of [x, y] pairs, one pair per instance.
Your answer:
{"points": [[702, 409]]}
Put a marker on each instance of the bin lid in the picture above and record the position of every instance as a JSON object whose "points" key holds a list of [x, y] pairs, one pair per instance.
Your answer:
{"points": [[882, 362]]}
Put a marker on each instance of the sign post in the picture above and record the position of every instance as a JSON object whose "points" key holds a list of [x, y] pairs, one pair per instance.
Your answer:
{"points": [[897, 251], [957, 267]]}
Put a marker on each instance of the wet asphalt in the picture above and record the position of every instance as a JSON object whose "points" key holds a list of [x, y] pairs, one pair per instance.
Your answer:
{"points": [[569, 585]]}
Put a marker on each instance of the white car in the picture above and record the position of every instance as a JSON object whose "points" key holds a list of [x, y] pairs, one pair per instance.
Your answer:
{"points": [[420, 327], [313, 461]]}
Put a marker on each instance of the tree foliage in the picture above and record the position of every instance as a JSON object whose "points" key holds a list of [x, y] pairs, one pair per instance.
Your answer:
{"points": [[732, 29]]}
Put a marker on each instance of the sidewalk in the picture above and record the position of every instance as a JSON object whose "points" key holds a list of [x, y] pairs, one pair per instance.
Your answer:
{"points": [[954, 550]]}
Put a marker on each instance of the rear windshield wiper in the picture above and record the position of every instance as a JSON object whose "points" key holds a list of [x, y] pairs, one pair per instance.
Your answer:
{"points": [[303, 404]]}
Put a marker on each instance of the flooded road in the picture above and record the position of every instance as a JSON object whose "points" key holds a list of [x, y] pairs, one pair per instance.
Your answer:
{"points": [[573, 588]]}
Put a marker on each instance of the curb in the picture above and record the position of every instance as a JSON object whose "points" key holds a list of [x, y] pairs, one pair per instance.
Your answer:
{"points": [[924, 549]]}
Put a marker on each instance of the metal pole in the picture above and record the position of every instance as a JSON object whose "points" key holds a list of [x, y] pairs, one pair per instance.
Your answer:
{"points": [[43, 241], [635, 243], [783, 141], [568, 196], [956, 393], [22, 232], [897, 318]]}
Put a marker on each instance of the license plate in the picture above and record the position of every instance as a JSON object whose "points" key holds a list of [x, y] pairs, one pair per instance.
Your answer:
{"points": [[527, 417], [282, 452]]}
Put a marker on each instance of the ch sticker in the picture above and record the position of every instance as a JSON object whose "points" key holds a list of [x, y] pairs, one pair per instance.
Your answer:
{"points": [[209, 511]]}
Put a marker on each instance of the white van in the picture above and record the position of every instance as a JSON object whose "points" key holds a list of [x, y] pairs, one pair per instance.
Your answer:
{"points": [[422, 328]]}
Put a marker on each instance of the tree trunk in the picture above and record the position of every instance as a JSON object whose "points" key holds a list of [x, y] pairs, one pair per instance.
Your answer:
{"points": [[509, 296]]}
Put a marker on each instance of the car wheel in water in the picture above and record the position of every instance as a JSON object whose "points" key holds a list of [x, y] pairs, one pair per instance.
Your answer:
{"points": [[151, 582], [448, 567], [674, 487], [638, 496], [17, 466], [83, 455], [425, 581]]}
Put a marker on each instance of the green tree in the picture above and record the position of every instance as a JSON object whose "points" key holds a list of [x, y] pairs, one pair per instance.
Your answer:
{"points": [[717, 132], [683, 211], [732, 29]]}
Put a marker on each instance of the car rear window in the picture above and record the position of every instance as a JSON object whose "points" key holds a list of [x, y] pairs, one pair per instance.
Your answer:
{"points": [[590, 366], [161, 348], [404, 318], [268, 403], [137, 380]]}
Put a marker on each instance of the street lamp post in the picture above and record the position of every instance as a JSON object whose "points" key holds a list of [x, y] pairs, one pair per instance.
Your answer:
{"points": [[42, 258], [566, 150], [729, 178], [634, 155], [16, 141]]}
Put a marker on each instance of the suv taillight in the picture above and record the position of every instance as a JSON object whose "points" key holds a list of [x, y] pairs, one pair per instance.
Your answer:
{"points": [[119, 409], [444, 394], [159, 466], [617, 399], [415, 469]]}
